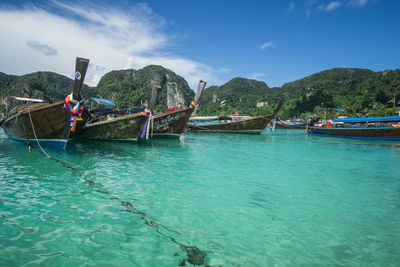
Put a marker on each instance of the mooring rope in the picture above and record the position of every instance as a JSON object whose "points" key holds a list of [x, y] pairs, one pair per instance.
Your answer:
{"points": [[34, 134], [306, 130], [44, 152], [194, 255], [152, 126]]}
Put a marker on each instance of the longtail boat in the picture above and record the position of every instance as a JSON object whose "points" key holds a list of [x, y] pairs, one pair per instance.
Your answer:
{"points": [[252, 125], [290, 124], [172, 123], [385, 128], [49, 124], [123, 128], [119, 128]]}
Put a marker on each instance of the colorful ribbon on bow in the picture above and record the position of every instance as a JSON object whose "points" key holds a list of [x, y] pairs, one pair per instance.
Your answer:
{"points": [[194, 106], [145, 130], [75, 109]]}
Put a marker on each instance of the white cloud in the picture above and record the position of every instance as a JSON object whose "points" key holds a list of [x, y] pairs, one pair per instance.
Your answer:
{"points": [[41, 40], [357, 2], [267, 45], [331, 6]]}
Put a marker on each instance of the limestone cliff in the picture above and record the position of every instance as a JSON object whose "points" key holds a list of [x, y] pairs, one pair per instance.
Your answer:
{"points": [[128, 88], [175, 97]]}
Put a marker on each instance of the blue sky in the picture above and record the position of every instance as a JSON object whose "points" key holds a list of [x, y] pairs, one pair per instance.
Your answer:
{"points": [[274, 41]]}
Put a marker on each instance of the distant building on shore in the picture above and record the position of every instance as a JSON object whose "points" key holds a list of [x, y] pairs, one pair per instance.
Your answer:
{"points": [[262, 104]]}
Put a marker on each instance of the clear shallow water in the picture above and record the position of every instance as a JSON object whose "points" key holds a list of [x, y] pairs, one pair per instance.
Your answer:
{"points": [[284, 199]]}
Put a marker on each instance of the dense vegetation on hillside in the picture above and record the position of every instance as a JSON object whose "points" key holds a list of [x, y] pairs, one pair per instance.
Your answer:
{"points": [[359, 92], [241, 95], [49, 86]]}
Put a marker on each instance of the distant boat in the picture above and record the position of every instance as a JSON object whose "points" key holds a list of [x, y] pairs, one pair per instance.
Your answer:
{"points": [[227, 124], [49, 124], [172, 122], [214, 119], [367, 128], [290, 124]]}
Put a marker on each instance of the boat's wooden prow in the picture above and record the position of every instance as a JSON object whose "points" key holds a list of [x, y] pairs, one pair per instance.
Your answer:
{"points": [[280, 104], [80, 73], [200, 88]]}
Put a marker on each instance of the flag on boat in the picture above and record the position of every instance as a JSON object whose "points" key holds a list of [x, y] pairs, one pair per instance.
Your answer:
{"points": [[223, 103]]}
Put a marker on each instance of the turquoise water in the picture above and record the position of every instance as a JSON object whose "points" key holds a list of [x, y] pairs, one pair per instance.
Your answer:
{"points": [[281, 199]]}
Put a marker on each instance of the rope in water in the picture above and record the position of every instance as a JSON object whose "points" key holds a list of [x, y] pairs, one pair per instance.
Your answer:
{"points": [[152, 125], [194, 255], [34, 134]]}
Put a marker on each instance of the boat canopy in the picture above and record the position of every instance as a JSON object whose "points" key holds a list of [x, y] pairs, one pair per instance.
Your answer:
{"points": [[297, 121], [369, 119], [27, 99], [203, 118], [103, 101]]}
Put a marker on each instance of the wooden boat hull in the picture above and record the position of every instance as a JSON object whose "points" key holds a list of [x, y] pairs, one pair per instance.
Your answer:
{"points": [[171, 124], [49, 124], [389, 133], [124, 128], [254, 125]]}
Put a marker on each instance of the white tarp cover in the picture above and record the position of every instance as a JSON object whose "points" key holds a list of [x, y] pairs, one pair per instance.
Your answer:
{"points": [[27, 99]]}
